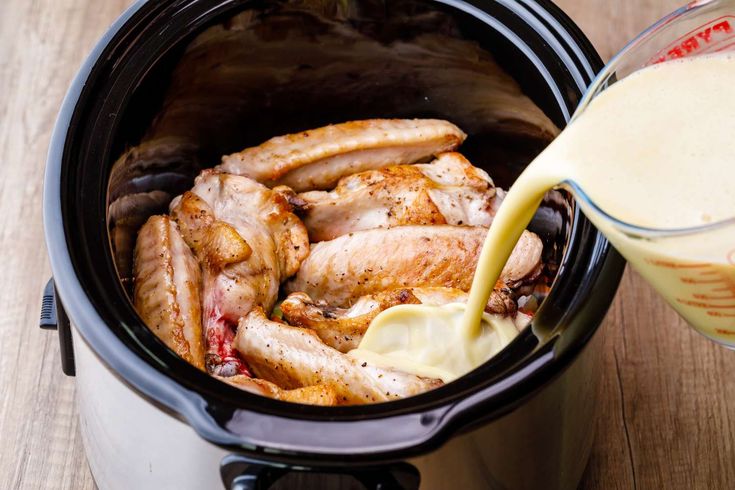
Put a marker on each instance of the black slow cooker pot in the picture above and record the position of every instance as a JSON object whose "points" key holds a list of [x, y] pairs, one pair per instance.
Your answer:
{"points": [[523, 420]]}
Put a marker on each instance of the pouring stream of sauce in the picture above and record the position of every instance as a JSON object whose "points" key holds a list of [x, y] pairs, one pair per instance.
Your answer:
{"points": [[653, 150]]}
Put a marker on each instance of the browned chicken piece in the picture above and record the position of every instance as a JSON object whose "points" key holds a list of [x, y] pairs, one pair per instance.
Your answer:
{"points": [[294, 357], [322, 394], [318, 158], [248, 241], [206, 105], [166, 288], [366, 262], [343, 328], [216, 243], [449, 190]]}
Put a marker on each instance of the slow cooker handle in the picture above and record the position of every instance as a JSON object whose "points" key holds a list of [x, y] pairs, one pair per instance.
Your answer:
{"points": [[53, 317], [242, 473]]}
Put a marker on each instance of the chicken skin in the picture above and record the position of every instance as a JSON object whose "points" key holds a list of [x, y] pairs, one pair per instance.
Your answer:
{"points": [[343, 328], [248, 241], [449, 190], [322, 394], [366, 262], [318, 158], [392, 215], [293, 357], [166, 288]]}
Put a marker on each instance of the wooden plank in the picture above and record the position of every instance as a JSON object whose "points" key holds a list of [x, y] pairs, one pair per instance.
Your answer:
{"points": [[667, 409], [610, 25], [667, 416], [42, 42]]}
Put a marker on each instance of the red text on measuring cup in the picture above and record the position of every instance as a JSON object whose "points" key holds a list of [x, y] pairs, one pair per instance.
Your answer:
{"points": [[717, 35]]}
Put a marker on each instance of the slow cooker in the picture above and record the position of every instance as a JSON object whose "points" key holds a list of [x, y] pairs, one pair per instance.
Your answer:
{"points": [[149, 419]]}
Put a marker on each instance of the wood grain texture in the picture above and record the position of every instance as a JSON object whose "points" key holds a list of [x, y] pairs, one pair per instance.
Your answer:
{"points": [[42, 43], [667, 408]]}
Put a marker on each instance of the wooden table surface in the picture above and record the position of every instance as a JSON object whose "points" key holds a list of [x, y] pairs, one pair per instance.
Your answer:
{"points": [[667, 410]]}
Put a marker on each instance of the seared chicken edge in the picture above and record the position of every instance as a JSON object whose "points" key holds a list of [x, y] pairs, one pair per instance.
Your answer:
{"points": [[449, 190], [343, 328], [318, 158], [166, 288], [322, 394], [371, 261], [293, 357]]}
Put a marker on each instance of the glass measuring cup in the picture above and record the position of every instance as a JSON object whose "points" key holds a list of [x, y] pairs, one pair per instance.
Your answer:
{"points": [[692, 268]]}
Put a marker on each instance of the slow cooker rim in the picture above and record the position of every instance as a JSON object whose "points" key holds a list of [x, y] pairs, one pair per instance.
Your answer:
{"points": [[152, 383]]}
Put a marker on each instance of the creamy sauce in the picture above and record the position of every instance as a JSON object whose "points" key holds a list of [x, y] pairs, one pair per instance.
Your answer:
{"points": [[654, 150], [405, 332]]}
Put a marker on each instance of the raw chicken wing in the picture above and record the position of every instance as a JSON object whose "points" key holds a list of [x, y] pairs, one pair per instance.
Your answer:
{"points": [[295, 357], [248, 241], [166, 288], [343, 328], [449, 190], [366, 262], [318, 158]]}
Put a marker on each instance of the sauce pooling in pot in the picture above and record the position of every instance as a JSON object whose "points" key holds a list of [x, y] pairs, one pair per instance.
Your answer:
{"points": [[654, 150]]}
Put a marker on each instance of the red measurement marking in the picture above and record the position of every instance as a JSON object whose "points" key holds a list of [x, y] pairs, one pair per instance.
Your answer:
{"points": [[712, 298], [722, 331], [694, 280], [719, 314], [699, 304], [703, 39], [669, 264]]}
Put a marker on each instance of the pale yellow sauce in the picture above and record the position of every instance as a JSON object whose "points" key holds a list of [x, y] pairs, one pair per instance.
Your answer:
{"points": [[406, 339], [657, 150]]}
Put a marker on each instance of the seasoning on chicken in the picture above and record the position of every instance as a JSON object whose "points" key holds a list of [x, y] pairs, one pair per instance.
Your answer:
{"points": [[366, 262], [318, 158], [449, 190], [322, 394], [394, 231], [216, 243], [248, 241], [343, 328], [293, 357], [166, 288]]}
